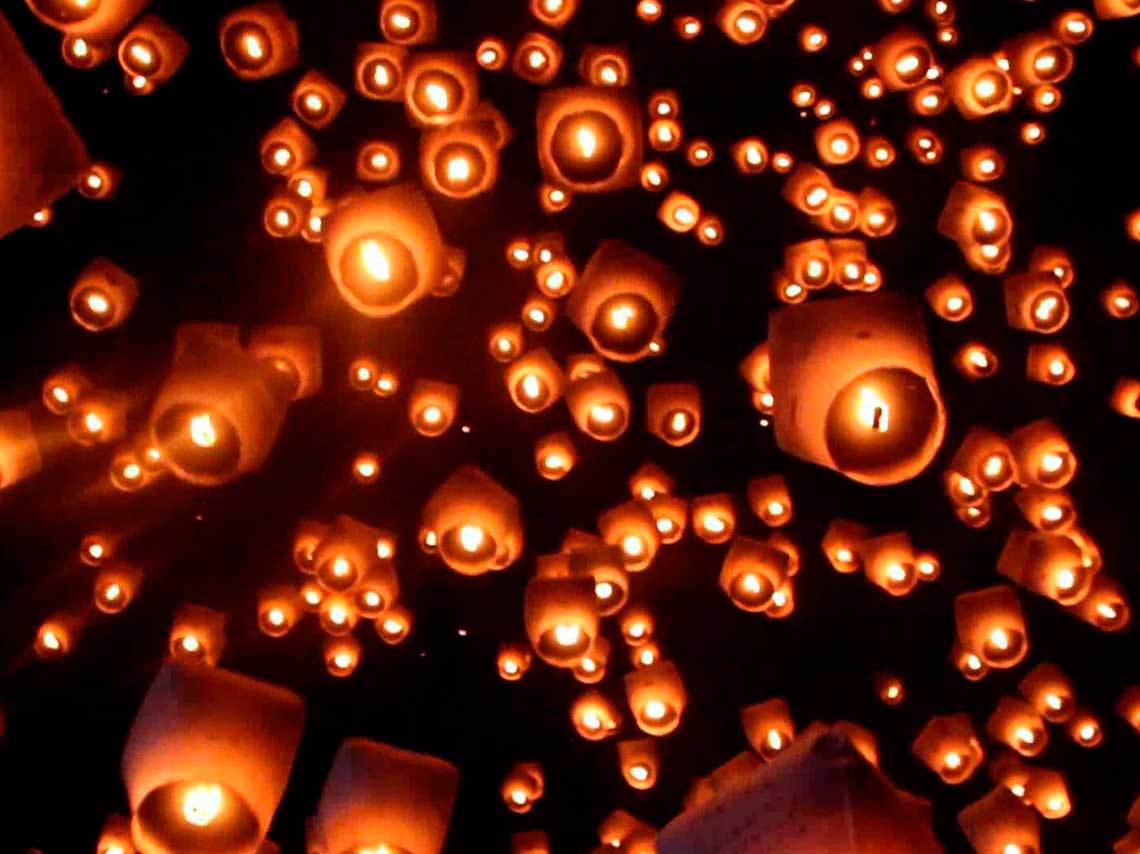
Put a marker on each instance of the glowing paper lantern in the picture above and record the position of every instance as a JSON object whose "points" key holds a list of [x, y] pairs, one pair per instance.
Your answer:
{"points": [[561, 618], [639, 762], [259, 40], [1001, 824], [537, 59], [1042, 456], [535, 381], [98, 418], [513, 661], [631, 527], [207, 760], [555, 455], [150, 54], [19, 449], [440, 87], [752, 573], [56, 636], [384, 250], [1035, 302], [409, 22], [979, 87], [769, 727], [523, 785], [317, 100], [843, 545], [1017, 724], [990, 626], [673, 412], [594, 717], [394, 625], [657, 697], [889, 562], [99, 21], [856, 386], [461, 159], [589, 138], [1050, 692], [277, 610], [604, 565], [116, 584], [379, 797], [949, 747], [1105, 606], [477, 523], [530, 841], [599, 405], [1046, 563], [198, 635]]}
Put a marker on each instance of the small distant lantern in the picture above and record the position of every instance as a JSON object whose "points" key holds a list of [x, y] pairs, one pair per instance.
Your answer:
{"points": [[63, 388], [950, 298], [535, 381], [902, 60], [599, 405], [306, 538], [259, 40], [478, 523], [394, 625], [843, 545], [1049, 364], [968, 663], [591, 667], [342, 655], [1017, 724], [20, 455], [277, 610], [409, 22], [991, 626], [604, 565], [56, 636], [889, 562], [673, 412], [979, 87], [103, 296], [631, 527], [976, 361], [752, 572], [150, 53], [317, 100], [99, 182], [1125, 397], [1042, 455], [197, 635], [492, 53], [1050, 692], [555, 455], [1001, 824], [432, 406], [670, 514], [769, 727], [116, 584], [657, 697], [743, 21], [531, 841], [949, 747], [1119, 300], [440, 87], [513, 661], [99, 417], [595, 718], [538, 313], [286, 148], [639, 761], [1128, 706], [982, 163], [338, 615], [285, 215], [1105, 606], [713, 517], [679, 212], [837, 142], [1035, 302], [461, 159], [889, 688], [561, 618]]}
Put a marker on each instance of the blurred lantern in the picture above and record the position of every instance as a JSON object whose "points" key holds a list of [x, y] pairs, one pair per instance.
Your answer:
{"points": [[285, 215], [366, 467], [379, 798], [1085, 729], [670, 513], [1055, 261], [394, 625], [673, 412], [878, 152], [1035, 302], [605, 65], [534, 381], [982, 163], [116, 584], [1050, 692], [537, 59], [902, 60], [1049, 364], [312, 596], [639, 762], [1042, 455], [1032, 133], [925, 145], [948, 746], [599, 405], [837, 142], [631, 528], [346, 553], [1128, 706], [889, 689], [1047, 793], [1038, 57], [492, 53], [379, 72], [657, 697], [100, 20], [1110, 9], [461, 159], [513, 661], [99, 417], [812, 38], [306, 538], [432, 406], [809, 189], [95, 548], [591, 667], [743, 21], [750, 156], [985, 461], [979, 87], [950, 298], [856, 386], [83, 52], [56, 636], [649, 11], [1009, 770], [976, 361], [927, 566], [604, 565], [286, 148], [889, 562], [197, 635], [277, 610], [115, 837], [649, 481], [207, 760], [687, 27], [594, 717], [561, 618], [1048, 564], [127, 473], [636, 625], [752, 572], [843, 545], [103, 296], [19, 448], [538, 313], [713, 517], [341, 655], [1050, 510], [478, 524], [645, 654], [589, 138], [220, 408], [99, 182], [1001, 824], [770, 500], [1125, 397], [1017, 724], [1105, 606], [377, 162], [150, 53], [408, 22], [768, 726], [679, 212], [1119, 300], [440, 87], [317, 100], [929, 99], [990, 625], [654, 176], [338, 616], [63, 387], [968, 663], [531, 841], [699, 153], [978, 220], [665, 135], [259, 40], [556, 278], [555, 455]]}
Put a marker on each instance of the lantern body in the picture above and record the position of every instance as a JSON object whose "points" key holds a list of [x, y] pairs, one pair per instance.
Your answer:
{"points": [[377, 795], [770, 500], [991, 626], [1035, 302], [843, 545], [1046, 563], [1000, 823], [889, 562], [561, 618], [631, 527], [534, 381], [599, 405], [461, 159], [639, 762], [768, 726], [752, 573], [657, 697], [19, 449], [590, 137], [440, 87], [317, 100], [197, 635], [259, 40], [949, 747], [204, 731], [1050, 692], [673, 412], [856, 387], [1042, 455], [151, 52], [379, 70], [477, 523]]}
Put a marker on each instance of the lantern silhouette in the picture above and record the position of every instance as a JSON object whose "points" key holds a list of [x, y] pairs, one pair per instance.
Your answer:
{"points": [[768, 726], [259, 40], [478, 524], [657, 697], [599, 405], [1105, 606], [948, 746], [673, 412], [623, 301], [1017, 724], [990, 625], [220, 408], [856, 386], [150, 53], [594, 717], [19, 449], [561, 618], [317, 100], [394, 625], [1035, 302], [639, 762], [752, 572], [207, 760], [379, 797], [1001, 824], [99, 417], [116, 584], [197, 635], [535, 381]]}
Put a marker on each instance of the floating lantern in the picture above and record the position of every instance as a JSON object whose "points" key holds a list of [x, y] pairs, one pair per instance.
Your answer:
{"points": [[594, 717], [561, 618], [604, 565], [116, 584], [743, 21], [492, 53], [639, 762], [673, 412], [1038, 57], [341, 655], [649, 481], [1085, 729], [770, 500], [1105, 606], [599, 405], [670, 514], [1125, 397], [657, 697], [259, 40], [902, 60], [394, 625], [63, 388], [809, 189], [1001, 824], [591, 667], [889, 689], [555, 455], [97, 547], [1049, 564], [461, 159], [1128, 707], [56, 636], [990, 625], [197, 635], [1042, 455], [1119, 300], [654, 176], [99, 182], [1017, 724], [679, 212], [768, 726], [979, 87], [150, 53], [982, 163], [878, 152], [338, 616], [636, 625], [843, 545], [968, 663], [1049, 364], [277, 610], [984, 460], [976, 361], [377, 162], [589, 138], [207, 760], [478, 524], [379, 797], [103, 296], [950, 298], [285, 215], [889, 562], [929, 99], [556, 278], [631, 527], [1035, 302], [837, 142], [605, 65], [1050, 692], [127, 473], [286, 148], [948, 746], [440, 87], [99, 417], [665, 135], [83, 52], [99, 21], [978, 220], [409, 22], [307, 537], [317, 100], [537, 59], [687, 27], [752, 572], [713, 517], [538, 313], [19, 449], [115, 837], [513, 661], [345, 552], [535, 381], [875, 414]]}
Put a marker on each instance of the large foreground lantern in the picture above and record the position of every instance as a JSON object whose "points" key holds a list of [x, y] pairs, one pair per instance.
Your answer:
{"points": [[378, 798], [590, 137], [856, 387], [623, 301], [218, 413], [477, 523], [207, 760], [384, 250]]}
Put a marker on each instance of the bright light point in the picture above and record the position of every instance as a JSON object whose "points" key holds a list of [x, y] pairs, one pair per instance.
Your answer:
{"points": [[567, 634], [587, 142], [437, 96], [873, 411], [471, 538], [655, 710], [202, 804], [253, 47], [92, 423], [775, 739], [202, 431], [375, 261], [603, 590]]}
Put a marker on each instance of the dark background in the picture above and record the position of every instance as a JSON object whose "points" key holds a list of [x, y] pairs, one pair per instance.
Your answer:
{"points": [[187, 222]]}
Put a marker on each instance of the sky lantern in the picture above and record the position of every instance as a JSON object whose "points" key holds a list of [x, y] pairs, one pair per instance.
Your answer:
{"points": [[808, 188], [639, 761], [889, 688], [889, 562], [649, 481], [56, 636], [346, 554], [982, 163], [636, 625], [950, 298], [656, 697], [62, 388], [1050, 364], [150, 53], [432, 406], [555, 455], [534, 381], [259, 40], [591, 667], [752, 572], [1048, 564], [837, 142], [604, 65], [623, 302], [286, 147], [1035, 302], [440, 87], [1042, 455], [478, 523], [1017, 724], [277, 610], [197, 635], [1085, 729], [1000, 823], [875, 415], [317, 100], [395, 624], [116, 584], [461, 159], [379, 71], [513, 661], [902, 60], [599, 405], [19, 448], [207, 760], [1128, 706], [713, 517], [561, 618], [82, 52], [605, 566], [1050, 692], [843, 545], [990, 626], [769, 727], [631, 527], [949, 747], [978, 220], [379, 797], [1105, 607], [979, 87], [115, 836], [1125, 397], [523, 786], [538, 58], [594, 717], [99, 182], [409, 22], [673, 412], [341, 655], [770, 500], [743, 21]]}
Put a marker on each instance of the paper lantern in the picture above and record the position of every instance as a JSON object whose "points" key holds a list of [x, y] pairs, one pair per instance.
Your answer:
{"points": [[968, 663], [752, 572], [286, 148], [277, 610], [197, 635], [99, 182], [115, 586], [19, 448], [889, 562], [63, 387], [1046, 563], [950, 298], [599, 405], [1049, 364], [394, 625], [594, 717], [623, 301], [591, 667], [1119, 300], [83, 52], [636, 625], [341, 655], [337, 614], [1128, 706], [639, 762], [380, 71], [1084, 728], [1125, 397], [492, 53], [477, 523], [56, 636], [538, 313], [1042, 455], [1105, 606], [768, 726], [561, 618], [115, 837], [1001, 824], [631, 527], [99, 21], [979, 87], [604, 565], [976, 361], [713, 517], [505, 341], [317, 100], [679, 212], [1050, 692], [991, 626], [837, 142], [929, 99], [97, 547], [657, 697], [432, 407], [440, 87], [978, 220], [150, 53], [461, 159], [534, 381], [889, 688], [513, 661], [809, 189], [673, 412], [843, 545], [902, 60], [378, 796], [207, 760], [555, 455], [1035, 302], [857, 387], [409, 22], [948, 746], [1111, 9], [537, 59], [345, 552], [649, 481], [259, 40], [1017, 724], [99, 417], [982, 163], [604, 65], [770, 500], [743, 21]]}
